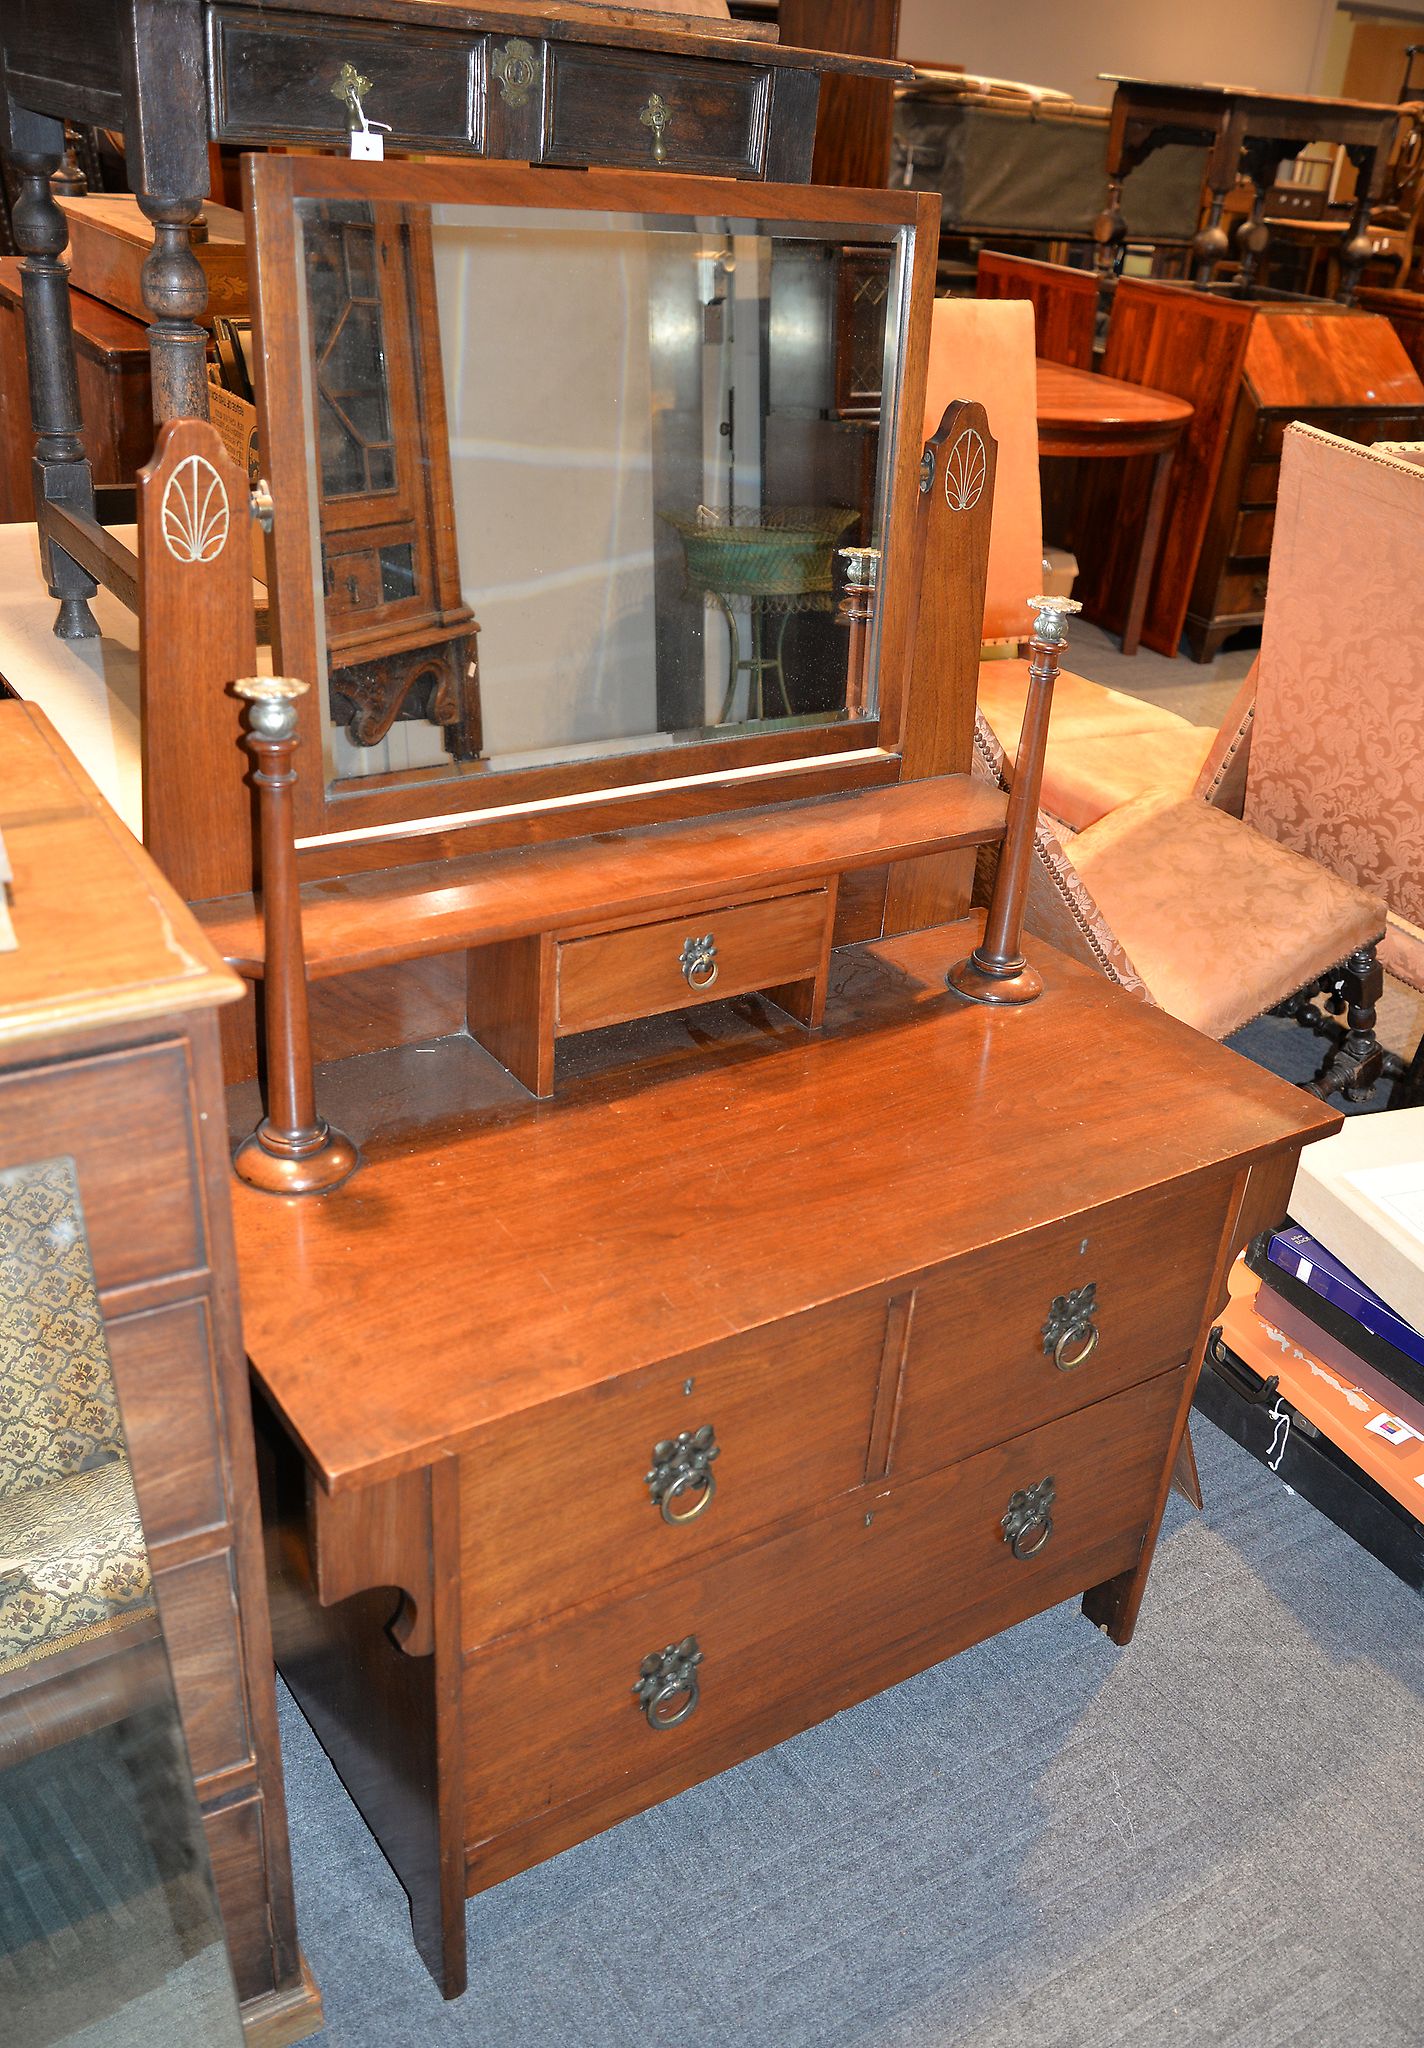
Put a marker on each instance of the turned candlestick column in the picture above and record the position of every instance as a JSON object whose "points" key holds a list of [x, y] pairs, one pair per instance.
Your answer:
{"points": [[293, 1151], [996, 971], [857, 609]]}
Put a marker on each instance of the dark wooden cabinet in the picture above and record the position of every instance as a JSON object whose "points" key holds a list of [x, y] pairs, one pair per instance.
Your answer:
{"points": [[109, 1055], [116, 411], [1249, 367]]}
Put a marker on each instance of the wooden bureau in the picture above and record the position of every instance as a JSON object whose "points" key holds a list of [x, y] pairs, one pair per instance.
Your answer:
{"points": [[1249, 367], [609, 1440], [109, 1054]]}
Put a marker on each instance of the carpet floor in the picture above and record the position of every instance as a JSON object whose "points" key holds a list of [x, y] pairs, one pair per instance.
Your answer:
{"points": [[1209, 1837]]}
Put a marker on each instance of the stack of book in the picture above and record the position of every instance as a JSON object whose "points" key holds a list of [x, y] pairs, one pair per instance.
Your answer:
{"points": [[1319, 1362]]}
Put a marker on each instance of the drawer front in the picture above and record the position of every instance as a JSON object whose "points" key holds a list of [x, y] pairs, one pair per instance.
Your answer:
{"points": [[198, 1607], [796, 1628], [163, 1369], [975, 1361], [565, 1502], [1251, 536], [272, 81], [1241, 594], [1261, 484], [639, 972], [623, 107], [125, 1119]]}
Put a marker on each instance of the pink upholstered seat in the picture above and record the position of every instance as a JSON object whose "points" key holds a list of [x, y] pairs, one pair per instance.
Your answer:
{"points": [[1220, 922]]}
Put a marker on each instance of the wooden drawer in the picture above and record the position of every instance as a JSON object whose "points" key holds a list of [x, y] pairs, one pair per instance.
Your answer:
{"points": [[603, 104], [124, 1118], [795, 1628], [614, 976], [271, 81], [556, 1506], [198, 1606], [163, 1369], [1251, 535], [975, 1360], [1240, 594]]}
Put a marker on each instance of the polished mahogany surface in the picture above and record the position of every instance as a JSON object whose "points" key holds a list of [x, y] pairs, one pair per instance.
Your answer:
{"points": [[1076, 406], [693, 1180]]}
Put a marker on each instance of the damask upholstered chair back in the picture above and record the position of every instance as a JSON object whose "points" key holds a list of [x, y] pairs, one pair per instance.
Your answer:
{"points": [[1336, 766]]}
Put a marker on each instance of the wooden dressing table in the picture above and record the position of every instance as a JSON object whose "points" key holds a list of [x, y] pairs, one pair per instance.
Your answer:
{"points": [[935, 1283], [623, 1412]]}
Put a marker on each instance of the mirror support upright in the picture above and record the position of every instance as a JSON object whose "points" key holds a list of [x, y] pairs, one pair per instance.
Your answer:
{"points": [[996, 971], [293, 1151]]}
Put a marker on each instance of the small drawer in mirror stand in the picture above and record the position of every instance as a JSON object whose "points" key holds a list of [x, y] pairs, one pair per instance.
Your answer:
{"points": [[525, 994]]}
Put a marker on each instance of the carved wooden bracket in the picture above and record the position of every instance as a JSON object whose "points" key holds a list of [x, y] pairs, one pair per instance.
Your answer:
{"points": [[381, 1535]]}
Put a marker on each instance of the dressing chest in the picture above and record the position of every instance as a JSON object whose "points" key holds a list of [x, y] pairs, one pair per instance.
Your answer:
{"points": [[932, 1286]]}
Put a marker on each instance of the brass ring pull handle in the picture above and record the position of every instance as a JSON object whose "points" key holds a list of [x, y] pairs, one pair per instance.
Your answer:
{"points": [[1029, 1516], [698, 961], [1070, 1336], [1083, 1336], [681, 1482], [663, 1677]]}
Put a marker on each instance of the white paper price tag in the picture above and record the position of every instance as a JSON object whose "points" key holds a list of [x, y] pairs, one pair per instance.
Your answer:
{"points": [[367, 145]]}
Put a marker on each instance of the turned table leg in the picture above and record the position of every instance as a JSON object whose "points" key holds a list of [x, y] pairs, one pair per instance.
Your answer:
{"points": [[1148, 543], [61, 469], [175, 291]]}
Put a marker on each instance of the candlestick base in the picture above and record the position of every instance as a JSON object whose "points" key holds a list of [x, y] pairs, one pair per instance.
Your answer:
{"points": [[978, 983], [275, 1166]]}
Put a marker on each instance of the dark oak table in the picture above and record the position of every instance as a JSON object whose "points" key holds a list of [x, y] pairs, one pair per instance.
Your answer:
{"points": [[1249, 131], [1080, 414], [518, 81]]}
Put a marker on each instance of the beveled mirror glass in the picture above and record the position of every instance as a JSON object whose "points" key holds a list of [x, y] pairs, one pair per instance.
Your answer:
{"points": [[578, 482]]}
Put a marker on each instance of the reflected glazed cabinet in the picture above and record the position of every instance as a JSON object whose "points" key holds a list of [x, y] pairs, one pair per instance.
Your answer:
{"points": [[756, 1395]]}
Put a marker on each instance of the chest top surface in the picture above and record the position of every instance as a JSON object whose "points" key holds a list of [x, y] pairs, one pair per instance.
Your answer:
{"points": [[719, 1174], [100, 936]]}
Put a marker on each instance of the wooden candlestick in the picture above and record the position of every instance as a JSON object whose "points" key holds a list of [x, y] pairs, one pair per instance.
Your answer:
{"points": [[293, 1151], [857, 609], [996, 971]]}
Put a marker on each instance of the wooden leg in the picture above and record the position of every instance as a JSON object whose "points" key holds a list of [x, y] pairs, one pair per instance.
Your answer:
{"points": [[175, 292], [1186, 1480], [1147, 550], [61, 470], [1358, 1060]]}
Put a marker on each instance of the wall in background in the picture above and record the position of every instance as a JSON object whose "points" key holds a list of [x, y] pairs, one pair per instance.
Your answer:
{"points": [[1278, 44]]}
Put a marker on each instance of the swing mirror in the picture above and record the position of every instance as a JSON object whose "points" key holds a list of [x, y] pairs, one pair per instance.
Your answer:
{"points": [[564, 466]]}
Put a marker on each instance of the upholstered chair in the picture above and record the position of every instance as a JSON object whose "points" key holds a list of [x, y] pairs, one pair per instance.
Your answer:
{"points": [[1228, 916]]}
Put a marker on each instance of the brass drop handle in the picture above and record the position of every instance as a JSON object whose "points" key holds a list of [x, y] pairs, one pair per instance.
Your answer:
{"points": [[1070, 1336], [666, 1677], [656, 116], [682, 1473], [698, 961], [1029, 1515]]}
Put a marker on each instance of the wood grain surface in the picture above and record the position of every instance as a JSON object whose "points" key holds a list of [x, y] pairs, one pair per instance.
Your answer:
{"points": [[751, 1129]]}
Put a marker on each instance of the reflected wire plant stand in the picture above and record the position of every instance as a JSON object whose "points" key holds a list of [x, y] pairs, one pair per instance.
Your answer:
{"points": [[779, 560]]}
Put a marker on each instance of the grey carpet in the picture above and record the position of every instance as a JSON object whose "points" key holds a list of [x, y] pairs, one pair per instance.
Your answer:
{"points": [[1211, 1837]]}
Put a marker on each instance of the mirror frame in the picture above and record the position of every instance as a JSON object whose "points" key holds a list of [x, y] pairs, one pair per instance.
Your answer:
{"points": [[423, 814]]}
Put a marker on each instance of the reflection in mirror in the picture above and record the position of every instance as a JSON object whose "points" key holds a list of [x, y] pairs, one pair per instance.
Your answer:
{"points": [[109, 1929], [583, 480]]}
